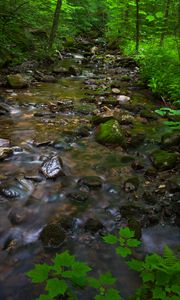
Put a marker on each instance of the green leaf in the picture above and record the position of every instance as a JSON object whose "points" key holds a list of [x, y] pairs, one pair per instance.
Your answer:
{"points": [[64, 259], [133, 243], [122, 241], [162, 278], [126, 233], [159, 15], [44, 297], [175, 289], [113, 294], [56, 287], [107, 278], [39, 273], [110, 239], [68, 274], [159, 293], [147, 276], [80, 280], [94, 283], [123, 251], [81, 268], [135, 264], [150, 18]]}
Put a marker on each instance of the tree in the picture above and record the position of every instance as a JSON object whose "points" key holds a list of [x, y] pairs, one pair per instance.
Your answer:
{"points": [[55, 24]]}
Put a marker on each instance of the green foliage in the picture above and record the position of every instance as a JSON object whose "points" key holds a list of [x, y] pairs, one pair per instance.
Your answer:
{"points": [[160, 275], [165, 111], [62, 277], [125, 241]]}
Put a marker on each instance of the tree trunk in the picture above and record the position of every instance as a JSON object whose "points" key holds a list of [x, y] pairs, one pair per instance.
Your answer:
{"points": [[137, 25], [164, 28], [55, 23]]}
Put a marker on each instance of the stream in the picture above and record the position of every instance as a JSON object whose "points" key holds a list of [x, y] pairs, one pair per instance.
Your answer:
{"points": [[101, 187]]}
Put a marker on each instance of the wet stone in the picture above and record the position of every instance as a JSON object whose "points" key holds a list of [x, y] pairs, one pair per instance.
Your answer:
{"points": [[10, 191], [34, 177], [78, 196], [52, 167], [92, 182], [149, 197], [137, 165], [174, 183], [52, 236], [17, 215], [4, 143], [93, 225], [163, 160], [82, 131], [131, 184], [4, 109], [5, 153]]}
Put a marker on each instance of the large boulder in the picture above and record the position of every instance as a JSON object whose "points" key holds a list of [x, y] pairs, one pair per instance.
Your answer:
{"points": [[110, 133], [17, 81], [163, 160]]}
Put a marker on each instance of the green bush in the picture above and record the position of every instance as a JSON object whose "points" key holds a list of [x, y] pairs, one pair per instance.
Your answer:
{"points": [[159, 66]]}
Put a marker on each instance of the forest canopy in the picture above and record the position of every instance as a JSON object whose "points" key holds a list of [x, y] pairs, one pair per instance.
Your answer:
{"points": [[150, 29]]}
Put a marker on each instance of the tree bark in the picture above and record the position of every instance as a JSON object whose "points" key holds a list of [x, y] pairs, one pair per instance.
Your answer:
{"points": [[55, 23], [137, 25], [166, 15]]}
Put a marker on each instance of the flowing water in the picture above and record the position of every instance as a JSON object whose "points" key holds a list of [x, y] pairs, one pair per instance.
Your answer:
{"points": [[36, 132]]}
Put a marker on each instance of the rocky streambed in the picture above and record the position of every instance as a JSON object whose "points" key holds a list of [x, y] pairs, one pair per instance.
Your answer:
{"points": [[82, 152]]}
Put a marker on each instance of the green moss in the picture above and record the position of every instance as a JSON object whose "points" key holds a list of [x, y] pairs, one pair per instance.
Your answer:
{"points": [[163, 160], [110, 133]]}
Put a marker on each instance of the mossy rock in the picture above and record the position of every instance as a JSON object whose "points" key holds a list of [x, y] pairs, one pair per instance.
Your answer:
{"points": [[171, 140], [110, 133], [174, 183], [52, 236], [17, 81], [163, 160], [98, 119]]}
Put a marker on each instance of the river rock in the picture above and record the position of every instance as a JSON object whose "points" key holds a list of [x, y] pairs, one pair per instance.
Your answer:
{"points": [[116, 91], [123, 98], [52, 167], [111, 133], [163, 160], [92, 182], [93, 225], [4, 143], [174, 183], [4, 109], [148, 114], [5, 153], [17, 215], [131, 184], [78, 196], [171, 140], [124, 118], [17, 81], [52, 236]]}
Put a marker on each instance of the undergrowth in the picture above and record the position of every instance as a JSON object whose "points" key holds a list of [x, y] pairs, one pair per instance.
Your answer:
{"points": [[65, 276]]}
